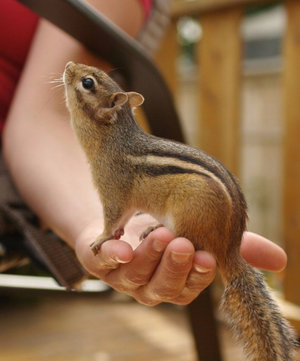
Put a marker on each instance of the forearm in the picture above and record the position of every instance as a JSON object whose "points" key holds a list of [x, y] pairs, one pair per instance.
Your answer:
{"points": [[51, 173], [41, 152]]}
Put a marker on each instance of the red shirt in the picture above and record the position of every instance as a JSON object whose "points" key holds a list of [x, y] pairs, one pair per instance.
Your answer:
{"points": [[17, 27], [147, 4]]}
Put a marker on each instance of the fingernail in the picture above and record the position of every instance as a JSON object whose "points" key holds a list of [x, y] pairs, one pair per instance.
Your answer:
{"points": [[201, 269], [120, 260], [180, 257], [158, 246]]}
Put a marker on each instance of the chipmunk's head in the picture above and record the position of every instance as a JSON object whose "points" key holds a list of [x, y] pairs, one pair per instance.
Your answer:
{"points": [[91, 93]]}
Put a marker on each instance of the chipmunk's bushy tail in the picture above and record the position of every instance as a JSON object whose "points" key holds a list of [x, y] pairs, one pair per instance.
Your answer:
{"points": [[255, 318]]}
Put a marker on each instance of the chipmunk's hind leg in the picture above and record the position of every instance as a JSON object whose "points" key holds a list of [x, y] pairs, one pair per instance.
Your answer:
{"points": [[202, 214]]}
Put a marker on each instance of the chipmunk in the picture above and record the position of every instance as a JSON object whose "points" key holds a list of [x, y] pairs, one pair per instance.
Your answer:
{"points": [[186, 189]]}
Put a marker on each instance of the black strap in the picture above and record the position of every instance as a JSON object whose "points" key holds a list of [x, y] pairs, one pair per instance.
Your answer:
{"points": [[46, 249], [21, 237]]}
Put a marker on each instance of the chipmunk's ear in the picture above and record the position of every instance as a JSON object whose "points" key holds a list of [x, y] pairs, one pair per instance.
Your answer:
{"points": [[118, 99], [115, 101], [135, 99]]}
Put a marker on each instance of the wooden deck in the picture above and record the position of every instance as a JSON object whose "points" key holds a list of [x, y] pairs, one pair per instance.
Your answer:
{"points": [[97, 328]]}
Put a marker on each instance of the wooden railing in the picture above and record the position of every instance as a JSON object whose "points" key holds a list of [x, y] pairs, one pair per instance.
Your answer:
{"points": [[200, 7], [219, 58]]}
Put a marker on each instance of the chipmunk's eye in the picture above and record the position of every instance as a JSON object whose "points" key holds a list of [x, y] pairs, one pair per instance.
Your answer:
{"points": [[88, 83]]}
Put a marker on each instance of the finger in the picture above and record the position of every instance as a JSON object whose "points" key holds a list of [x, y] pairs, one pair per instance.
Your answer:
{"points": [[111, 255], [201, 275], [170, 276], [139, 271], [262, 253]]}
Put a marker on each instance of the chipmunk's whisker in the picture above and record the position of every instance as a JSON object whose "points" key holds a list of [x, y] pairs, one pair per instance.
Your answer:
{"points": [[58, 82], [54, 81], [58, 86]]}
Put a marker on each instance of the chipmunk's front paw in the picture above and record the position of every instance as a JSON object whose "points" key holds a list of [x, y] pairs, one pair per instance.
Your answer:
{"points": [[149, 230], [96, 245]]}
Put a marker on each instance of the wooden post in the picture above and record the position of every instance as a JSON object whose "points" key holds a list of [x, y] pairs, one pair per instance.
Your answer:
{"points": [[220, 68], [291, 173], [194, 8], [165, 59], [167, 54]]}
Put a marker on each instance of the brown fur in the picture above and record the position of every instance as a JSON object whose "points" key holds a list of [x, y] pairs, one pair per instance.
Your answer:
{"points": [[184, 188]]}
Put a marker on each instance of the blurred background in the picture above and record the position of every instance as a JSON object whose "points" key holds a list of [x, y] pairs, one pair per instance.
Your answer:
{"points": [[54, 325], [261, 113]]}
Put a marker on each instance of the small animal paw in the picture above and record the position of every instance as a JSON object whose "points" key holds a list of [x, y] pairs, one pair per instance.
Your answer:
{"points": [[96, 245], [119, 233], [149, 230]]}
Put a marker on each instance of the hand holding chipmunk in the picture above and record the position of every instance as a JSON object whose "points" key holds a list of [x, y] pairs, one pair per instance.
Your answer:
{"points": [[188, 275]]}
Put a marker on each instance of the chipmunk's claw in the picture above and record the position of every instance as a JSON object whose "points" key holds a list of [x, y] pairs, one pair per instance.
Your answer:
{"points": [[96, 245], [119, 233], [150, 229], [95, 248]]}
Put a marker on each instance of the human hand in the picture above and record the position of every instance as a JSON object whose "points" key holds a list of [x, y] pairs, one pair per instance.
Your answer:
{"points": [[163, 268], [261, 253]]}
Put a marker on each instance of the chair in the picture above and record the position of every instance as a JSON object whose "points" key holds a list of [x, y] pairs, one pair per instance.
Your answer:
{"points": [[135, 65]]}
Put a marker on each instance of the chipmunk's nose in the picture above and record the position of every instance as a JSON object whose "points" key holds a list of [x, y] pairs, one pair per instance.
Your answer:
{"points": [[67, 74]]}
